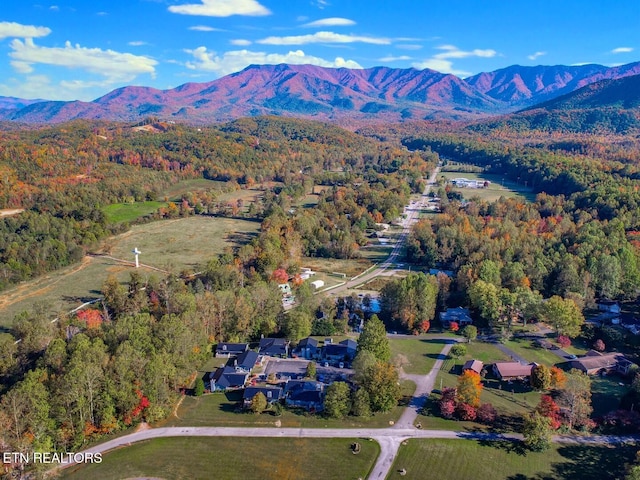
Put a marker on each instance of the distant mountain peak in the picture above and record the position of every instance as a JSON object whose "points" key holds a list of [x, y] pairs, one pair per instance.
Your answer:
{"points": [[330, 94]]}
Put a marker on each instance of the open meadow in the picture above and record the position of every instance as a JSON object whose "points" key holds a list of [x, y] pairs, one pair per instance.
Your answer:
{"points": [[505, 460], [234, 458], [175, 245]]}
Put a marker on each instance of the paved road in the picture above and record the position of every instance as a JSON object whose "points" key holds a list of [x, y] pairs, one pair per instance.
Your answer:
{"points": [[413, 215], [424, 386]]}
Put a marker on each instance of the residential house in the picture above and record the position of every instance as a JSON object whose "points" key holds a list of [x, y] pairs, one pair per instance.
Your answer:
{"points": [[595, 363], [231, 349], [272, 394], [609, 306], [307, 348], [459, 315], [274, 347], [305, 394], [512, 370], [285, 288], [226, 378], [339, 352], [245, 362], [475, 365]]}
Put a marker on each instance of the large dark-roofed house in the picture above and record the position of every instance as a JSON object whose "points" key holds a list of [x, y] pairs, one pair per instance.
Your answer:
{"points": [[231, 349], [245, 362], [226, 378], [273, 347], [595, 363], [272, 394]]}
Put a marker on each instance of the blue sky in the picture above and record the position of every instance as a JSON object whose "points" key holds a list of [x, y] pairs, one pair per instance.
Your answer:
{"points": [[79, 49]]}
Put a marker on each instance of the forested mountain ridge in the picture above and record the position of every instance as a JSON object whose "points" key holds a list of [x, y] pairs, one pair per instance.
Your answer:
{"points": [[606, 106], [328, 94], [525, 86]]}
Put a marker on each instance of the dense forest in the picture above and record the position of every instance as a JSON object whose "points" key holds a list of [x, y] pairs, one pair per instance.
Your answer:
{"points": [[63, 177]]}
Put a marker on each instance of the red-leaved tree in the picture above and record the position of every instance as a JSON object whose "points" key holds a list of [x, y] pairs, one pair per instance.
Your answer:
{"points": [[448, 402], [550, 409], [280, 275], [454, 327], [486, 413], [466, 412], [564, 341], [91, 317], [425, 325]]}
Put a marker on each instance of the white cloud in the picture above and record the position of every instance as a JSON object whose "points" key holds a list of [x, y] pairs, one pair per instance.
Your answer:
{"points": [[391, 58], [321, 4], [205, 28], [451, 51], [409, 46], [55, 8], [12, 29], [40, 86], [331, 22], [221, 8], [234, 61], [240, 42], [622, 50], [536, 55], [441, 63], [323, 37], [138, 43], [114, 66]]}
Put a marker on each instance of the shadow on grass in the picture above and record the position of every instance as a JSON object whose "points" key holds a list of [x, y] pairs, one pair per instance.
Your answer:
{"points": [[441, 341], [509, 446], [587, 462]]}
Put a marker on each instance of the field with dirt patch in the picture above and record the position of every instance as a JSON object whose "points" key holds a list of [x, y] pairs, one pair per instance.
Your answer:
{"points": [[175, 245]]}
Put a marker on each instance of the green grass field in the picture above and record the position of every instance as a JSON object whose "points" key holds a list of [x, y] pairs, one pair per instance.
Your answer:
{"points": [[128, 212], [417, 354], [234, 458], [180, 244], [525, 348], [175, 191], [219, 409], [499, 187], [469, 459]]}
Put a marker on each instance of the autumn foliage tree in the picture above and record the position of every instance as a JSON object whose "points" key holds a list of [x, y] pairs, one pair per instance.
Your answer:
{"points": [[558, 377], [447, 402], [469, 388], [598, 345], [550, 409], [564, 341], [541, 377]]}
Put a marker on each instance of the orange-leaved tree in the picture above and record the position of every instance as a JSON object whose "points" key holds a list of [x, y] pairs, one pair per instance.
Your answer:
{"points": [[469, 388]]}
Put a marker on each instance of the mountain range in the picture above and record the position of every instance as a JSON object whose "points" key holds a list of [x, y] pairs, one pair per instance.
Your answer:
{"points": [[329, 94]]}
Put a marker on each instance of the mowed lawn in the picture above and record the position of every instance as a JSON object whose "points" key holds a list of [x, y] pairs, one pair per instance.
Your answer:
{"points": [[128, 212], [527, 350], [469, 459], [176, 245], [499, 187], [415, 354], [234, 458], [220, 409]]}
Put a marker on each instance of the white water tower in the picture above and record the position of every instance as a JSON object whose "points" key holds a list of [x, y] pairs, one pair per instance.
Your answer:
{"points": [[137, 252]]}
